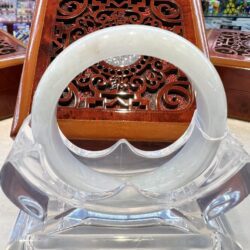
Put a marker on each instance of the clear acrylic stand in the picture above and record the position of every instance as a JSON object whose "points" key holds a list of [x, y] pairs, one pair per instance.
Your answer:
{"points": [[181, 197]]}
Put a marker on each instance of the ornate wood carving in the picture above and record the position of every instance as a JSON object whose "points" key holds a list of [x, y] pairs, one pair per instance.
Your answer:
{"points": [[233, 43], [230, 53], [5, 47], [12, 51], [147, 83], [144, 89], [231, 48]]}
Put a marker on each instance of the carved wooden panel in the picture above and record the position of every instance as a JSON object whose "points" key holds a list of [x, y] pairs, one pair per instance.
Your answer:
{"points": [[230, 53], [78, 18], [148, 84], [230, 45], [6, 47], [10, 47], [143, 88], [142, 83], [233, 43]]}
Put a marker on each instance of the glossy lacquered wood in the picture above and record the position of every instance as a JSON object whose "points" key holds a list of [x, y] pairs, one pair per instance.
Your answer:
{"points": [[12, 54], [230, 53], [44, 45]]}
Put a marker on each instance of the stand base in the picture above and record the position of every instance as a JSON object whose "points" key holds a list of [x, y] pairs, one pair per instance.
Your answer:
{"points": [[88, 235]]}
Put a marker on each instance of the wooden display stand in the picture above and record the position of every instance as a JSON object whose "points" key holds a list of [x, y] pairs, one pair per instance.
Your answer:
{"points": [[230, 53], [12, 54], [147, 100]]}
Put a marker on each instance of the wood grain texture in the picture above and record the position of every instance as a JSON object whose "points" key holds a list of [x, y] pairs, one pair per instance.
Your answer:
{"points": [[93, 97], [113, 130]]}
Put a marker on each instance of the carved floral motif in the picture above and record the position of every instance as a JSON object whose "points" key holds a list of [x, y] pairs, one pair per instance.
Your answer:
{"points": [[146, 84], [233, 43]]}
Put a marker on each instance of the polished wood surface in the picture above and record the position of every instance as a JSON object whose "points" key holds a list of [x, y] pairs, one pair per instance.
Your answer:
{"points": [[158, 103], [12, 54], [230, 53]]}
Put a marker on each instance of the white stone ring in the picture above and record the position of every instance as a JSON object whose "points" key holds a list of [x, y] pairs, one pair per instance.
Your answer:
{"points": [[194, 156]]}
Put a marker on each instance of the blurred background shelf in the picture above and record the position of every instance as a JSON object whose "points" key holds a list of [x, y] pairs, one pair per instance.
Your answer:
{"points": [[228, 16], [16, 16]]}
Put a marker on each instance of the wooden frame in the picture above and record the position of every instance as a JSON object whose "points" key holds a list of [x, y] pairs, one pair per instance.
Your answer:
{"points": [[135, 126]]}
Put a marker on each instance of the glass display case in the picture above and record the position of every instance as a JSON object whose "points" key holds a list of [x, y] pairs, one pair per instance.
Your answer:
{"points": [[227, 14]]}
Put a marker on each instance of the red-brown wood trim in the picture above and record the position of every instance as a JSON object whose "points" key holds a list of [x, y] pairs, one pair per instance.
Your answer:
{"points": [[200, 29], [25, 89], [115, 130]]}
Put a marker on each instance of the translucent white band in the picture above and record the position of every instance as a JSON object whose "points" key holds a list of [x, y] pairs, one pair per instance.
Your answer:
{"points": [[118, 41]]}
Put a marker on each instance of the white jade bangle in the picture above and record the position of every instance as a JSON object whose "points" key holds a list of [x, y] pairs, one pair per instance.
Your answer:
{"points": [[126, 40]]}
